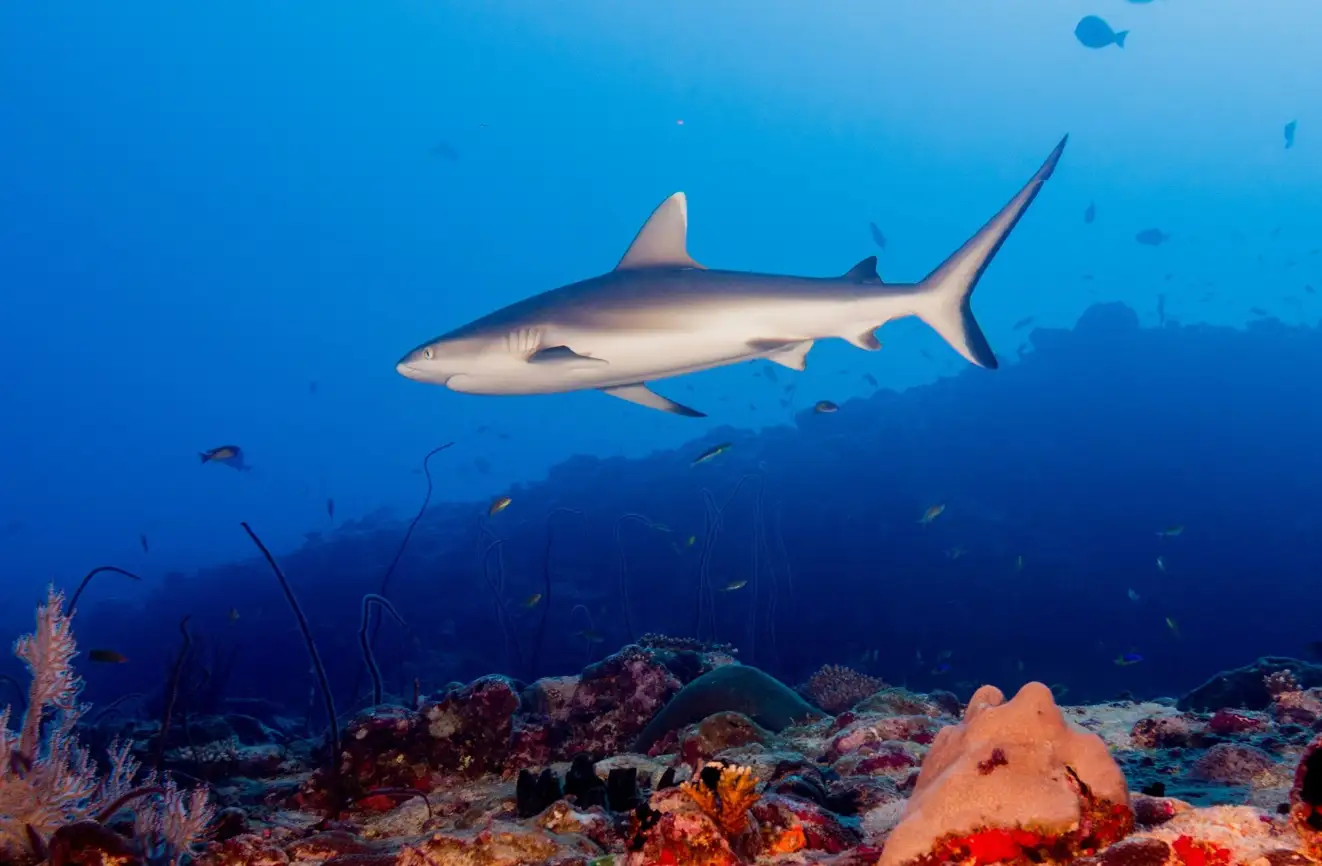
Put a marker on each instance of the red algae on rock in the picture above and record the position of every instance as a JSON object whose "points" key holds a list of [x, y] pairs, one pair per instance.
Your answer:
{"points": [[1052, 794]]}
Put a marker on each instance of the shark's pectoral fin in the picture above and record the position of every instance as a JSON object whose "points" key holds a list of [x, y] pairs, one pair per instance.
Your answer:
{"points": [[866, 339], [662, 242], [787, 354], [565, 358], [644, 396]]}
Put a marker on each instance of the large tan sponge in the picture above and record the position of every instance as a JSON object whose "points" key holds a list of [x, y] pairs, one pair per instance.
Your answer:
{"points": [[1007, 765]]}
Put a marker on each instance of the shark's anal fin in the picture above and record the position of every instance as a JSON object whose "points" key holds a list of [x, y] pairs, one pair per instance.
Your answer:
{"points": [[792, 355], [644, 396], [563, 356], [662, 242]]}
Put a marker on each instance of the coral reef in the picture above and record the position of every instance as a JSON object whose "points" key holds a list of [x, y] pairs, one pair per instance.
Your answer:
{"points": [[836, 688]]}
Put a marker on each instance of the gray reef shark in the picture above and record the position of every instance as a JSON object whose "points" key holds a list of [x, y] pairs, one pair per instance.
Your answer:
{"points": [[660, 314]]}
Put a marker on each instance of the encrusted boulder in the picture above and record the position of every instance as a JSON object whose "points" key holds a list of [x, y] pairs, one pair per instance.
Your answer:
{"points": [[1013, 782]]}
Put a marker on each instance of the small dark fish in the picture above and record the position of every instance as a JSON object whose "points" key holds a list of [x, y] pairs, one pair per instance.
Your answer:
{"points": [[1289, 133], [444, 150], [877, 237], [1310, 290], [106, 657], [713, 452], [870, 379], [825, 407], [532, 600], [1130, 658], [1093, 32], [330, 508], [142, 539], [229, 455], [1257, 311], [1152, 237], [233, 615], [1090, 212], [1022, 323], [770, 372]]}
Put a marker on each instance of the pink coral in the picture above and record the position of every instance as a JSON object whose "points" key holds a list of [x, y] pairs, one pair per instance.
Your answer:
{"points": [[1045, 786]]}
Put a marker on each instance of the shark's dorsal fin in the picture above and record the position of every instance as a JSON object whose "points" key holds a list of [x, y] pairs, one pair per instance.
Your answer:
{"points": [[662, 242], [864, 272]]}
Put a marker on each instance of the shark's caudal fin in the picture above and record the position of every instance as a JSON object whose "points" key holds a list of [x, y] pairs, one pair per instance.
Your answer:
{"points": [[943, 298]]}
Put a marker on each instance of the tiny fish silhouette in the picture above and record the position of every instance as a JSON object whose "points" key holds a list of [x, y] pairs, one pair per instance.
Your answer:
{"points": [[498, 505], [825, 407], [714, 451], [877, 237], [1289, 133], [444, 150], [1022, 323], [1152, 237], [1093, 32], [106, 657], [1090, 212], [330, 507], [142, 539]]}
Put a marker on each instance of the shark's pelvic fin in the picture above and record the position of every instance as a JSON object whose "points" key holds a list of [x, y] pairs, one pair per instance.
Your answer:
{"points": [[563, 356], [864, 272], [644, 396], [662, 242], [943, 298], [793, 355], [866, 340]]}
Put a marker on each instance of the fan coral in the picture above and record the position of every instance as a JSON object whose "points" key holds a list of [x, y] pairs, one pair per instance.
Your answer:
{"points": [[836, 688], [725, 793], [49, 782]]}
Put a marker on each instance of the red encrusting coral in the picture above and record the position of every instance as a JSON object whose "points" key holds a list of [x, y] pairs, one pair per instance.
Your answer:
{"points": [[1197, 852]]}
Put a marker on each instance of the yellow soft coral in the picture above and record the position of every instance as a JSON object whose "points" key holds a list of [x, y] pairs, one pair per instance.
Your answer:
{"points": [[725, 793]]}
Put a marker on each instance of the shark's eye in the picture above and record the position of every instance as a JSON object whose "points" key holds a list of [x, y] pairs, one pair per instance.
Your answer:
{"points": [[427, 353]]}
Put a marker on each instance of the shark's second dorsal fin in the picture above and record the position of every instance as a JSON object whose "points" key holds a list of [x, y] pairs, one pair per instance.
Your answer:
{"points": [[864, 272], [662, 242]]}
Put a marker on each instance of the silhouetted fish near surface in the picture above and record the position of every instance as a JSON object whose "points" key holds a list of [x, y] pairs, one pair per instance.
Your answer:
{"points": [[877, 237], [106, 657], [142, 539], [1152, 237], [230, 455], [1289, 134], [1090, 212], [660, 314], [1093, 32], [1023, 323], [444, 150]]}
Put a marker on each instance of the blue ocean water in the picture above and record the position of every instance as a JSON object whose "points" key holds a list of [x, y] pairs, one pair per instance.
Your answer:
{"points": [[226, 225]]}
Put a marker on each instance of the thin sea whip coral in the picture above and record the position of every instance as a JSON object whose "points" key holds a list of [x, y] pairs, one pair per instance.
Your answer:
{"points": [[334, 763], [546, 585], [370, 599], [624, 566], [87, 578]]}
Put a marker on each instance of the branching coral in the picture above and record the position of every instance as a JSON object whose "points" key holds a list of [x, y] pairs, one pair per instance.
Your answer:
{"points": [[836, 688], [48, 780], [725, 793]]}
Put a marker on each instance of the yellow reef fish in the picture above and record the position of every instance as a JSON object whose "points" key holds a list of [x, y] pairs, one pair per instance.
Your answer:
{"points": [[931, 514]]}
